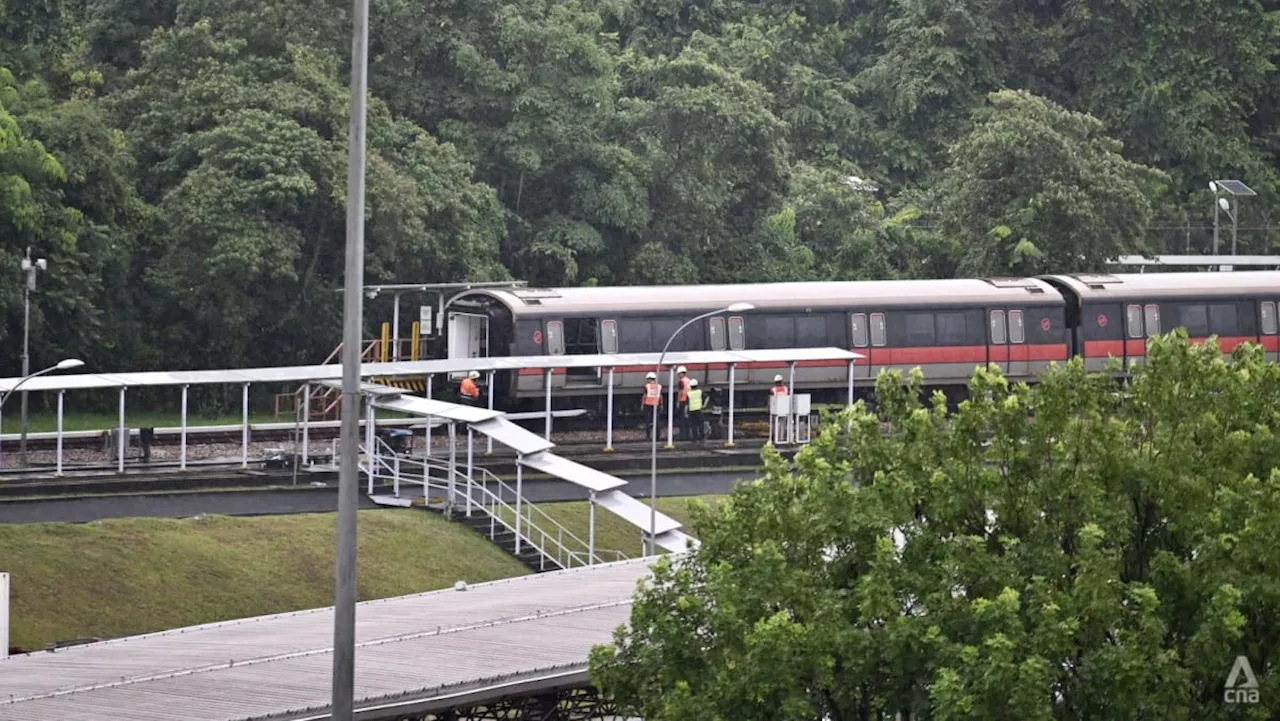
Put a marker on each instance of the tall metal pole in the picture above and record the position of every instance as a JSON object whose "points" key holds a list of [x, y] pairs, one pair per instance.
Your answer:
{"points": [[1235, 221], [344, 611], [1215, 222], [26, 348]]}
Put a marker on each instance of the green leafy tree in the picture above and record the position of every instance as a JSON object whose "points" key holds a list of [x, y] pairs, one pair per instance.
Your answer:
{"points": [[1035, 188], [1078, 549]]}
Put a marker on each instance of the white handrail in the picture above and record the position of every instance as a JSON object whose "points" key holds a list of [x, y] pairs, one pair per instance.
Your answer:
{"points": [[558, 544]]}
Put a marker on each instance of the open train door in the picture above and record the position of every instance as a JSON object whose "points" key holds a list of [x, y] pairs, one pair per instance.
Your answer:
{"points": [[468, 338]]}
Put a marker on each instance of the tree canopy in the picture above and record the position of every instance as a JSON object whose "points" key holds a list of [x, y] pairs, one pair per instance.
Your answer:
{"points": [[1078, 549], [181, 162]]}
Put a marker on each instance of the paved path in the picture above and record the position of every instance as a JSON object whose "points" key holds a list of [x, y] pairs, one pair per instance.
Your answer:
{"points": [[310, 500]]}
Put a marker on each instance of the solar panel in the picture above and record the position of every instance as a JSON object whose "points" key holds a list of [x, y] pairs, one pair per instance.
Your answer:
{"points": [[1234, 187]]}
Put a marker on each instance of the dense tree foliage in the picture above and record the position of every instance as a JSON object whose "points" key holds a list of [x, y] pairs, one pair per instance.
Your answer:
{"points": [[1081, 549], [182, 162]]}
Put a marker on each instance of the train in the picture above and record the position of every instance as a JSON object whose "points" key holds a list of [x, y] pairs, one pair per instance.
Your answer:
{"points": [[944, 327]]}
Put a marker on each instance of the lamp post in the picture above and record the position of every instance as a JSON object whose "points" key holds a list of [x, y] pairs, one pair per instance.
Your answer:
{"points": [[62, 365], [653, 458], [30, 268], [1236, 190]]}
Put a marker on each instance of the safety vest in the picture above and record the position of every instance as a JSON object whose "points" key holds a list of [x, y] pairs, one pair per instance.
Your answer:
{"points": [[683, 396], [778, 390], [652, 393], [469, 388], [695, 400]]}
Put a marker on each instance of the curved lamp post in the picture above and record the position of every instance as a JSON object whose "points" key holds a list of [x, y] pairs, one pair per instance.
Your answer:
{"points": [[63, 365], [653, 459]]}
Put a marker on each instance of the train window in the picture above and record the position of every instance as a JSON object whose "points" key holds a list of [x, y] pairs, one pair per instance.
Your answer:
{"points": [[1195, 318], [1268, 318], [951, 329], [779, 332], [737, 333], [1222, 319], [1017, 332], [811, 331], [860, 330], [1133, 320], [715, 327], [555, 337], [636, 336], [581, 336], [878, 336], [608, 336], [997, 327], [1151, 315], [919, 329]]}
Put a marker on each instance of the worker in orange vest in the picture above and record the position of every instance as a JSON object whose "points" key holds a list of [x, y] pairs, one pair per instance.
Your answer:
{"points": [[779, 388], [652, 399], [469, 391]]}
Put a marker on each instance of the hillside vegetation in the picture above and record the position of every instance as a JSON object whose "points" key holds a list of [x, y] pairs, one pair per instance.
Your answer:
{"points": [[182, 163]]}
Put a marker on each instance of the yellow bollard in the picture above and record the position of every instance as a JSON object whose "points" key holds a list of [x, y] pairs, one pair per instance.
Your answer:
{"points": [[386, 341], [416, 335]]}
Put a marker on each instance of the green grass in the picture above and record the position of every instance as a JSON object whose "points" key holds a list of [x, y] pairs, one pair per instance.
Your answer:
{"points": [[45, 422], [129, 576], [611, 531]]}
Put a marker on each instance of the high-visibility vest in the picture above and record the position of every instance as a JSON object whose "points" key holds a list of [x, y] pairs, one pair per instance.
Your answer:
{"points": [[652, 393], [778, 390], [469, 388], [695, 400], [684, 390]]}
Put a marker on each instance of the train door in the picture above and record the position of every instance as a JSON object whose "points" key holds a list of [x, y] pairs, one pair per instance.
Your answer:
{"points": [[582, 336], [1007, 338], [1140, 322], [468, 338], [717, 374], [1270, 340], [1019, 355], [860, 339]]}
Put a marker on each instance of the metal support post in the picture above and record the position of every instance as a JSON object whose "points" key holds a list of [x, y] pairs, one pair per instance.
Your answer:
{"points": [[430, 379], [732, 367], [851, 364], [395, 328], [547, 432], [608, 429], [370, 441], [4, 616], [1235, 221], [453, 465], [124, 435], [671, 407], [489, 448], [182, 442], [791, 405], [519, 496], [426, 469], [59, 471], [395, 477], [344, 606], [244, 430], [306, 422], [591, 529], [471, 441]]}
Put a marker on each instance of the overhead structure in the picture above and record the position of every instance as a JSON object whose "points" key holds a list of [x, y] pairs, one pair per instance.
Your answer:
{"points": [[429, 653]]}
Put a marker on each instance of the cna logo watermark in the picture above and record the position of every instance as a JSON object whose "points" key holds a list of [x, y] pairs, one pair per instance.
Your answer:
{"points": [[1242, 685]]}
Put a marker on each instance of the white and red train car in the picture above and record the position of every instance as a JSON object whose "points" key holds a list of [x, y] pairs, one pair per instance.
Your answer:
{"points": [[944, 327]]}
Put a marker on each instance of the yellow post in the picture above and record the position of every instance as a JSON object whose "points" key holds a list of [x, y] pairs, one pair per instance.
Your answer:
{"points": [[386, 341], [414, 333]]}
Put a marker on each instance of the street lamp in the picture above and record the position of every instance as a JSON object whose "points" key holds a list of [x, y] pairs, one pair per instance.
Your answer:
{"points": [[62, 365], [30, 268], [1236, 190], [653, 459]]}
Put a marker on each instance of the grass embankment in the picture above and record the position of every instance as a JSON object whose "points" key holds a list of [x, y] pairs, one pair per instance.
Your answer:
{"points": [[612, 532], [46, 422], [129, 576]]}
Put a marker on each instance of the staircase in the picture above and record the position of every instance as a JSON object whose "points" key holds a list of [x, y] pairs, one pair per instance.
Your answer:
{"points": [[485, 504], [325, 403]]}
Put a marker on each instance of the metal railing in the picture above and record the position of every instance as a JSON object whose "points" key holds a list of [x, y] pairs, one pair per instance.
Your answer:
{"points": [[493, 498]]}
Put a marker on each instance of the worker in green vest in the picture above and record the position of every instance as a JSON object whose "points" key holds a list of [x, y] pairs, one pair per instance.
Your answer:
{"points": [[695, 410]]}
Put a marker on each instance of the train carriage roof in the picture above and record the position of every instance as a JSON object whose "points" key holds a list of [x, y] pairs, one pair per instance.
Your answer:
{"points": [[1127, 286], [678, 299]]}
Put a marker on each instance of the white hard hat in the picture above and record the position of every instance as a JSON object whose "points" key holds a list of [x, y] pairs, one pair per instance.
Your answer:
{"points": [[681, 370], [473, 374], [777, 379], [650, 375], [693, 382]]}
